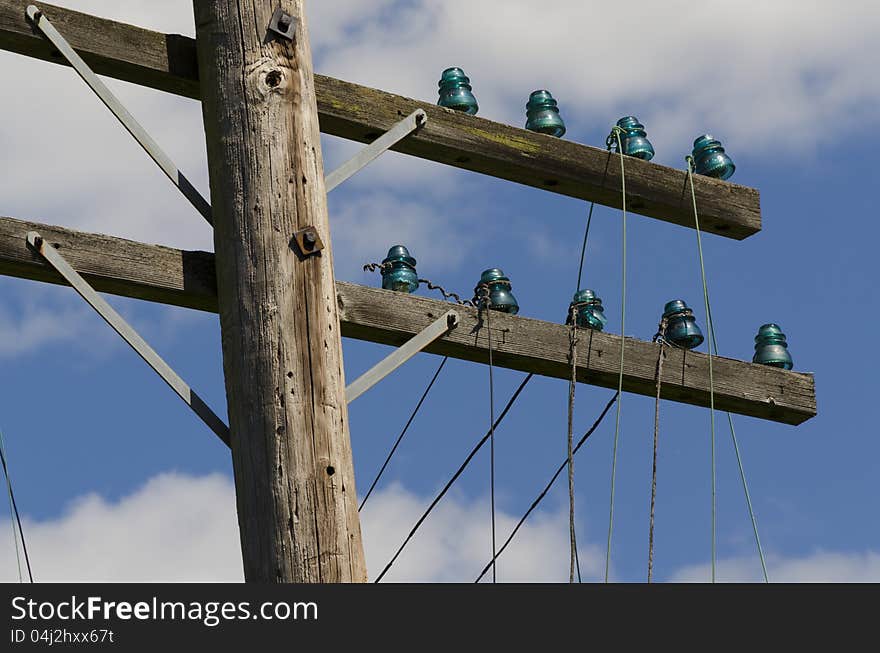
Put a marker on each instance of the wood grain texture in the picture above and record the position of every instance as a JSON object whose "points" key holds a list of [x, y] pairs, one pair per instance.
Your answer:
{"points": [[282, 349], [168, 62], [184, 278]]}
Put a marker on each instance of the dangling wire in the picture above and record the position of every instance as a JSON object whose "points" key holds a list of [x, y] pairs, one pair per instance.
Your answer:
{"points": [[484, 302], [572, 352], [403, 432], [690, 162], [615, 133], [456, 475], [11, 511], [660, 338], [548, 486], [713, 350], [14, 510], [584, 246]]}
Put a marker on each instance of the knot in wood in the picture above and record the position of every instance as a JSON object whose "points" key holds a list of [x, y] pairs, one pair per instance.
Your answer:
{"points": [[269, 77]]}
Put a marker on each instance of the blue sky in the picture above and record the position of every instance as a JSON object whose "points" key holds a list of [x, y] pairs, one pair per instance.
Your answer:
{"points": [[117, 480]]}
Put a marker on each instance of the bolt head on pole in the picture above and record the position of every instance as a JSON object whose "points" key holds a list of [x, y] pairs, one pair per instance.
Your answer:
{"points": [[542, 114], [588, 310], [681, 325], [771, 347], [635, 139], [494, 282], [399, 270], [710, 158], [455, 92]]}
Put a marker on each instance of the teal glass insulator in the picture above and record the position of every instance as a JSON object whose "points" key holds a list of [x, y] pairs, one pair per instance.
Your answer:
{"points": [[456, 92], [710, 158], [399, 270], [588, 310], [542, 114], [635, 139], [500, 298], [771, 347], [681, 325]]}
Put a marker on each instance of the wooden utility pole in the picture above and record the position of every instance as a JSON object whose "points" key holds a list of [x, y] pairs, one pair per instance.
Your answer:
{"points": [[280, 311], [282, 350]]}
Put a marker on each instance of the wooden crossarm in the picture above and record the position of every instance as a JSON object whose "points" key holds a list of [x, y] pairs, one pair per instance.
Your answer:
{"points": [[185, 278], [168, 62]]}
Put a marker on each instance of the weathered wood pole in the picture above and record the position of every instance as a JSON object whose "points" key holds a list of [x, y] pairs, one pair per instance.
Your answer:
{"points": [[282, 352]]}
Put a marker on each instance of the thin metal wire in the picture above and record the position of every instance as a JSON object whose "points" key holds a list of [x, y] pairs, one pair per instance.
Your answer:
{"points": [[660, 357], [616, 131], [549, 485], [573, 562], [27, 558], [739, 462], [742, 475], [491, 435], [11, 510], [584, 246], [403, 432], [712, 347], [456, 475]]}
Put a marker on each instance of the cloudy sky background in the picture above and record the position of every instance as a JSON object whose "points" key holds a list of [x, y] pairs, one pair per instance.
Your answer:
{"points": [[117, 481]]}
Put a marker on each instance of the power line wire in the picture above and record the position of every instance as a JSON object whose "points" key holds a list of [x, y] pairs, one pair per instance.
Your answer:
{"points": [[491, 435], [455, 476], [27, 558], [616, 131], [713, 348], [403, 432], [550, 484]]}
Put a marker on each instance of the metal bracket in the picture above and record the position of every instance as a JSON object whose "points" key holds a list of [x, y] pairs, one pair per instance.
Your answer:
{"points": [[402, 354], [399, 131], [130, 336], [308, 240], [283, 24], [118, 109]]}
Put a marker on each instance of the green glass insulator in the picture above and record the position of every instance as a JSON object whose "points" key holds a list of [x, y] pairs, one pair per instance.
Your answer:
{"points": [[635, 139], [500, 297], [771, 347], [588, 310], [542, 114], [710, 158], [456, 92], [681, 325], [399, 271]]}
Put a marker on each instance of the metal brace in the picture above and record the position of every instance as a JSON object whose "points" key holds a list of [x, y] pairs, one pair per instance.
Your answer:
{"points": [[399, 131], [407, 350], [118, 109], [308, 240], [283, 24], [130, 336]]}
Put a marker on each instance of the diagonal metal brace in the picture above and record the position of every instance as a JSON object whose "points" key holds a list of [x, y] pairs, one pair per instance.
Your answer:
{"points": [[407, 350], [130, 336], [399, 131], [128, 121]]}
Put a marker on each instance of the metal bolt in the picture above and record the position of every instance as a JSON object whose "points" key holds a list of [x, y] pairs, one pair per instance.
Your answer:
{"points": [[284, 23], [309, 240]]}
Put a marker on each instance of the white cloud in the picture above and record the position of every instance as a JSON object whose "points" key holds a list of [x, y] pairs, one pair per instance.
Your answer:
{"points": [[819, 567], [454, 544], [366, 225], [183, 528], [31, 327], [178, 527], [174, 528], [759, 74]]}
